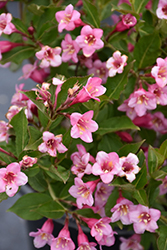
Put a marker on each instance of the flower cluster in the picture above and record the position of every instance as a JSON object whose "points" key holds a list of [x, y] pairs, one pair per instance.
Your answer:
{"points": [[68, 138]]}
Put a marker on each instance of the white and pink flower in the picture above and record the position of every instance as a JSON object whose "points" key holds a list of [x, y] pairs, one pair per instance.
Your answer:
{"points": [[106, 165], [89, 40], [162, 9], [83, 241], [129, 167], [49, 56], [83, 126], [99, 70], [116, 63], [132, 242], [6, 26], [102, 193], [160, 93], [11, 178], [159, 72], [4, 127], [27, 162], [52, 144]]}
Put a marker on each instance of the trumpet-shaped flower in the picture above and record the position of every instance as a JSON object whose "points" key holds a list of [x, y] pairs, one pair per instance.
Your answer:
{"points": [[160, 93], [129, 166], [63, 240], [89, 40], [142, 100], [83, 241], [92, 89], [70, 49], [144, 218], [116, 63], [67, 18], [102, 193], [106, 165], [159, 72], [4, 127], [131, 243], [11, 178], [6, 26], [52, 144], [83, 192], [99, 70], [44, 235], [83, 126], [49, 56]]}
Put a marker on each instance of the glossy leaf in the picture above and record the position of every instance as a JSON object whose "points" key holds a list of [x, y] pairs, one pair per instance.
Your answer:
{"points": [[140, 5], [115, 124], [130, 148], [92, 16], [59, 173], [35, 138], [27, 206], [141, 197], [51, 209], [20, 123], [162, 239], [152, 160]]}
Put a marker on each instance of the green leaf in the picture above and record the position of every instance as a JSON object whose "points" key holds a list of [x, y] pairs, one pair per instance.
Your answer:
{"points": [[35, 138], [141, 197], [92, 13], [32, 96], [19, 25], [115, 85], [152, 160], [38, 182], [162, 239], [159, 174], [111, 202], [87, 212], [59, 173], [163, 149], [147, 50], [152, 191], [110, 143], [115, 124], [3, 196], [18, 54], [20, 123], [51, 209], [140, 5], [36, 9], [27, 206], [130, 148]]}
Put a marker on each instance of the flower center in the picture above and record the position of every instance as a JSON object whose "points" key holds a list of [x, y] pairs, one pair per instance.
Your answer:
{"points": [[9, 177], [117, 63], [162, 73], [127, 167], [83, 191], [124, 209], [2, 25], [62, 243], [90, 40], [67, 18], [107, 166], [50, 143], [82, 126], [164, 9], [49, 53], [144, 217]]}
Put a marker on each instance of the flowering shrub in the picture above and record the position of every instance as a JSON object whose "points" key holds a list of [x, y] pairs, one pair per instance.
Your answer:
{"points": [[90, 138]]}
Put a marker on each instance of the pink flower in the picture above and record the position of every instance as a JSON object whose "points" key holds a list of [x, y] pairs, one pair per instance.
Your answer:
{"points": [[19, 98], [99, 228], [52, 144], [144, 218], [159, 72], [116, 63], [107, 165], [44, 93], [142, 100], [4, 127], [159, 122], [63, 241], [67, 18], [44, 235], [6, 26], [99, 70], [83, 126], [83, 241], [81, 163], [12, 111], [11, 178], [162, 9], [131, 243], [144, 121], [49, 56], [92, 89], [27, 162], [160, 93], [83, 192], [129, 167], [102, 193], [130, 112], [107, 240], [163, 186], [121, 211], [89, 40], [6, 46], [127, 22], [70, 49], [85, 61]]}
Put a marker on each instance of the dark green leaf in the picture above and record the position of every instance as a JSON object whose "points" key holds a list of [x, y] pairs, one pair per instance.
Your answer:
{"points": [[152, 160], [163, 149], [51, 209], [20, 123], [130, 148], [111, 202], [110, 143], [27, 206], [92, 16], [35, 138], [141, 197], [38, 182], [152, 191], [146, 50], [140, 5], [162, 239], [115, 124], [59, 173]]}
